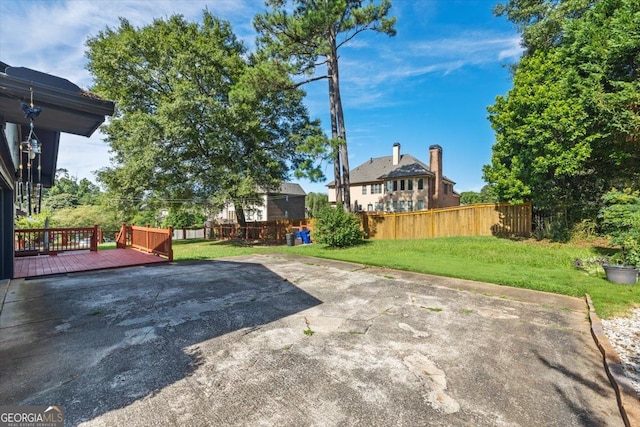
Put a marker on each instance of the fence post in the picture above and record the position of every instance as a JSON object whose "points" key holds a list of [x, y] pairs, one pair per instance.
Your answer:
{"points": [[395, 225], [93, 245], [475, 220], [432, 222], [169, 249]]}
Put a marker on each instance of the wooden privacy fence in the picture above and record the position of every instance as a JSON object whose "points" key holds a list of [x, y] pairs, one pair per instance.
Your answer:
{"points": [[190, 233], [500, 219], [146, 239], [51, 241]]}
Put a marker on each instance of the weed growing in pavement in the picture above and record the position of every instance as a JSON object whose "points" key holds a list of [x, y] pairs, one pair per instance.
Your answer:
{"points": [[308, 332]]}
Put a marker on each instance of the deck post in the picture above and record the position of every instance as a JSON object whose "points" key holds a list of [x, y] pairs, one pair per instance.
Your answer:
{"points": [[94, 239], [170, 244]]}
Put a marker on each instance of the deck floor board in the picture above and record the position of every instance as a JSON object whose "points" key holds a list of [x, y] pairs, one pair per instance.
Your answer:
{"points": [[73, 262]]}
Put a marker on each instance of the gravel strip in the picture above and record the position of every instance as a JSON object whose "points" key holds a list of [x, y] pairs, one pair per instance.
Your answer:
{"points": [[624, 335]]}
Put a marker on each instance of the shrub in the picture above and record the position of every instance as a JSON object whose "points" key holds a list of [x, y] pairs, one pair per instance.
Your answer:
{"points": [[621, 221], [35, 221], [337, 228]]}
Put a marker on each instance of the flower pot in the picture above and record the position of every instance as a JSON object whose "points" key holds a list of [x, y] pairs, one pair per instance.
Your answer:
{"points": [[621, 274]]}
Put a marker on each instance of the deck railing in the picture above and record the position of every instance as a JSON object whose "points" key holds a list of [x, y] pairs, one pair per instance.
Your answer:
{"points": [[51, 241], [146, 239]]}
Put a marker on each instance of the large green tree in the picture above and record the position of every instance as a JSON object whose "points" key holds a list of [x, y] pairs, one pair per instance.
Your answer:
{"points": [[303, 35], [486, 195], [541, 22], [569, 129], [197, 118], [68, 192]]}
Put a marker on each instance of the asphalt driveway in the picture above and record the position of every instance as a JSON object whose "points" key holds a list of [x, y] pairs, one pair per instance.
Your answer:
{"points": [[263, 340]]}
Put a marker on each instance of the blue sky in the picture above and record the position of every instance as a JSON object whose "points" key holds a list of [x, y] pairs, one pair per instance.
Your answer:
{"points": [[428, 85]]}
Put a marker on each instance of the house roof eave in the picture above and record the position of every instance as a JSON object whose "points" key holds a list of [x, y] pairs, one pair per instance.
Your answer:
{"points": [[62, 110]]}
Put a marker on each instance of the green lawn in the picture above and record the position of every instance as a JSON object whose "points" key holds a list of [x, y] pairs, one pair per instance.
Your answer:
{"points": [[526, 264]]}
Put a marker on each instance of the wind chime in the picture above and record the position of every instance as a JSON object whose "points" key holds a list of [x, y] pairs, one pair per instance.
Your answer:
{"points": [[30, 168]]}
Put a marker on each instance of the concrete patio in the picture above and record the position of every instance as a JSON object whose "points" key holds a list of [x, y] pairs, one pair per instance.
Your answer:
{"points": [[262, 340]]}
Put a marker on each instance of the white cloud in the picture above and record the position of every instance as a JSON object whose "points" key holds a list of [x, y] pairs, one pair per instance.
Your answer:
{"points": [[445, 55], [83, 156], [513, 49], [368, 79]]}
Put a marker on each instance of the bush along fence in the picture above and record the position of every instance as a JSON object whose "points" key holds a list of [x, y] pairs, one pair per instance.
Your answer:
{"points": [[499, 219], [268, 231]]}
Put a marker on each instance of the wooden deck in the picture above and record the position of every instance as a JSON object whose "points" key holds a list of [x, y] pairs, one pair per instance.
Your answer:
{"points": [[73, 262]]}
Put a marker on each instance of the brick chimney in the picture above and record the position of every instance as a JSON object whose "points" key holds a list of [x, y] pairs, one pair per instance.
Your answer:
{"points": [[396, 153], [435, 164]]}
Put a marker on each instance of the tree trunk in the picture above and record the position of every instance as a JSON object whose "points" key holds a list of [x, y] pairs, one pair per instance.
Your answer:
{"points": [[242, 221], [341, 159], [342, 134], [331, 63]]}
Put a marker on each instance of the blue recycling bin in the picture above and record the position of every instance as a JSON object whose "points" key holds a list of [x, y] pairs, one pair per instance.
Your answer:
{"points": [[305, 236]]}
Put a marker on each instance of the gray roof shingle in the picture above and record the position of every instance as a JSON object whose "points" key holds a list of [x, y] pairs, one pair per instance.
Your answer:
{"points": [[380, 168], [291, 188]]}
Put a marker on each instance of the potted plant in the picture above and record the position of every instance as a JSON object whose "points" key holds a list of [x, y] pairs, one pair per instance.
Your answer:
{"points": [[621, 221]]}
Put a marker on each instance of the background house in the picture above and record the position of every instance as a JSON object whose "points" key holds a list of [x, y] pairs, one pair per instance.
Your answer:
{"points": [[64, 107], [400, 183], [285, 203]]}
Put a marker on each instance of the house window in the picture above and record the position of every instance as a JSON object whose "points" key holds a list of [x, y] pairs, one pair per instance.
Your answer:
{"points": [[364, 189], [286, 198], [395, 185], [410, 205], [401, 205], [395, 206], [410, 184], [446, 189], [359, 208], [420, 205], [402, 184], [376, 188], [286, 214], [388, 208], [420, 184], [388, 186], [370, 207], [378, 206], [259, 215]]}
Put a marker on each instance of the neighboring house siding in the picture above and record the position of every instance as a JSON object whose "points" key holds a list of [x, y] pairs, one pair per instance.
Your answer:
{"points": [[285, 207], [382, 183], [377, 202], [289, 203]]}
